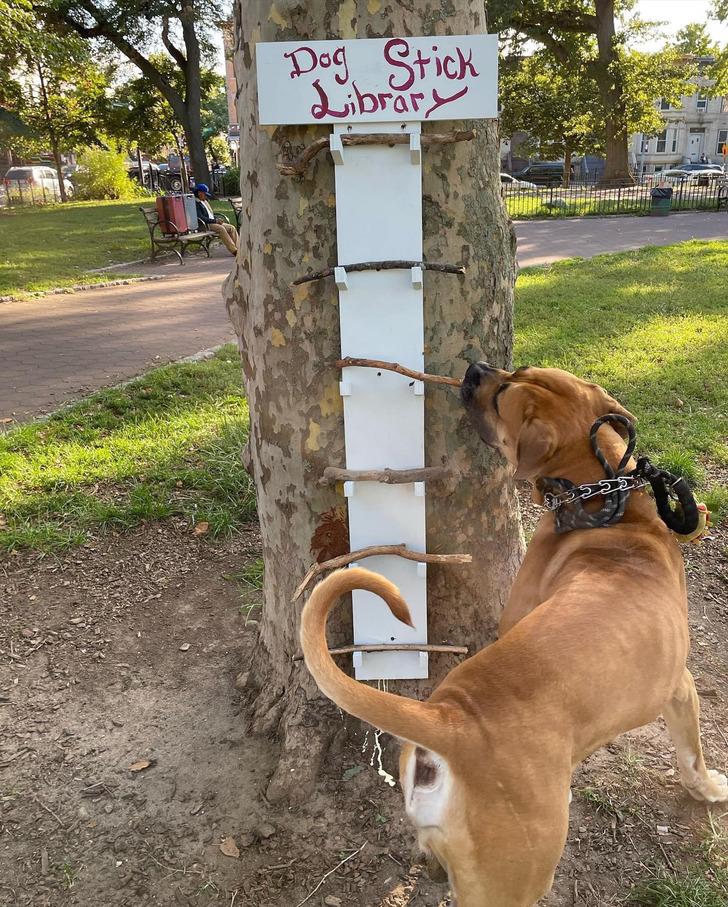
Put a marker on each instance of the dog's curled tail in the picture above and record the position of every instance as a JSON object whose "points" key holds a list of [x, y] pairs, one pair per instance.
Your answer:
{"points": [[427, 724]]}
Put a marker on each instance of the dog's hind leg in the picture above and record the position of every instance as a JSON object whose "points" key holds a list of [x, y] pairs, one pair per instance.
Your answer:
{"points": [[682, 714]]}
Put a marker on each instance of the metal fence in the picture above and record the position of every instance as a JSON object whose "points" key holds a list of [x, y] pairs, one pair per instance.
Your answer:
{"points": [[23, 192], [584, 199]]}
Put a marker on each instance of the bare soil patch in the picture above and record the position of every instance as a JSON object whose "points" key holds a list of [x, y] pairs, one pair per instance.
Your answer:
{"points": [[126, 650]]}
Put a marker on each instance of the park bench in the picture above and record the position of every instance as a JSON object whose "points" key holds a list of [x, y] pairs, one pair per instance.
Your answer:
{"points": [[173, 242], [723, 197], [237, 205]]}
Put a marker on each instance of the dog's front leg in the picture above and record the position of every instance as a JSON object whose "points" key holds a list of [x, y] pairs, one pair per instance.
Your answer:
{"points": [[682, 715]]}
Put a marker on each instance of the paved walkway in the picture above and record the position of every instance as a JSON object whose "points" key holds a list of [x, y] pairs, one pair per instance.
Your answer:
{"points": [[58, 348], [542, 241]]}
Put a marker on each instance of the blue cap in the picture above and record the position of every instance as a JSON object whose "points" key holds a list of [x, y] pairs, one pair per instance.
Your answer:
{"points": [[202, 187]]}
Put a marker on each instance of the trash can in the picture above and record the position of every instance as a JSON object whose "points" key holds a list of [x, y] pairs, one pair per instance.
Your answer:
{"points": [[661, 201]]}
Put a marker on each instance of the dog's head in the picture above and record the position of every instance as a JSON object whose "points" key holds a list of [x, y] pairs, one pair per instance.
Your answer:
{"points": [[533, 415]]}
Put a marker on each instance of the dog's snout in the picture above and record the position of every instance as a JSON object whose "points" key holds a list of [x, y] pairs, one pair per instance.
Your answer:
{"points": [[476, 372]]}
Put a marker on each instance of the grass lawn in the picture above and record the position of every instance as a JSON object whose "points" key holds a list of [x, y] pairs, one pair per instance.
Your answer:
{"points": [[167, 444], [57, 245], [652, 327]]}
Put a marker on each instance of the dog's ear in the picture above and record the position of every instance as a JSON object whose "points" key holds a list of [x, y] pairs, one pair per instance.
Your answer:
{"points": [[536, 444]]}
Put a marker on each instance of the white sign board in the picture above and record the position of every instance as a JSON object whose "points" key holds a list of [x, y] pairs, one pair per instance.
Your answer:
{"points": [[378, 80]]}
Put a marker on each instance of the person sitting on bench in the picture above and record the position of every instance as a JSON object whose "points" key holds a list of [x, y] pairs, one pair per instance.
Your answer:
{"points": [[206, 216]]}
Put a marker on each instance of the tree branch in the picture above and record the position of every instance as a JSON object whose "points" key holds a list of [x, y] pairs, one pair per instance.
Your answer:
{"points": [[350, 361], [403, 647], [380, 266], [333, 474], [174, 51], [421, 557], [299, 165]]}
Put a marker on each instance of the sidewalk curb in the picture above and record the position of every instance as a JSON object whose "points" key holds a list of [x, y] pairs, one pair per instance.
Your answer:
{"points": [[80, 287]]}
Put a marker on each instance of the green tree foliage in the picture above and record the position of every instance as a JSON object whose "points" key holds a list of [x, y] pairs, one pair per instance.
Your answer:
{"points": [[133, 27], [103, 175], [58, 93], [627, 83], [555, 105], [142, 117], [694, 39], [218, 149]]}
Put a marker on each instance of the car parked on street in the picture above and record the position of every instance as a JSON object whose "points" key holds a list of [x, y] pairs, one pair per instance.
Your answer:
{"points": [[543, 173], [37, 183], [510, 182]]}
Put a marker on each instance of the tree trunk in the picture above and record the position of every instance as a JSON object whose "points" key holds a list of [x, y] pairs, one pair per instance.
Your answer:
{"points": [[51, 132], [567, 166], [610, 84], [59, 170], [289, 342]]}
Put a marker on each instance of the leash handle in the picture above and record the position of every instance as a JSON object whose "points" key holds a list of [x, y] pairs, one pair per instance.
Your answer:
{"points": [[685, 519]]}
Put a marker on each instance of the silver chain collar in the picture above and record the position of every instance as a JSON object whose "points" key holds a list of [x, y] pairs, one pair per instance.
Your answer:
{"points": [[592, 490]]}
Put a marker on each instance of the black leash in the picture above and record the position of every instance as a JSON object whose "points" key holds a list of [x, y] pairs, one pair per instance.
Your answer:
{"points": [[566, 499]]}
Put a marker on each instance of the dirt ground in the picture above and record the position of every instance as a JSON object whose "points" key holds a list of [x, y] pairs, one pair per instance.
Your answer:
{"points": [[125, 652]]}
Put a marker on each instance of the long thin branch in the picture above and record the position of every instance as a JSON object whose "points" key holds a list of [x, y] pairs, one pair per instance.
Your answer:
{"points": [[350, 361], [333, 474], [392, 265], [403, 647], [298, 167], [343, 560], [174, 51]]}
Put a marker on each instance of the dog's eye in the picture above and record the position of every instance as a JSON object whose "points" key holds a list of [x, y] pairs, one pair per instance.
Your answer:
{"points": [[497, 394]]}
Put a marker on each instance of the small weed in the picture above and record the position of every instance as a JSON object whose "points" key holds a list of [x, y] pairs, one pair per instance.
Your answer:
{"points": [[716, 500], [68, 874], [252, 574], [694, 888], [247, 612], [597, 798], [714, 842], [633, 763], [681, 463]]}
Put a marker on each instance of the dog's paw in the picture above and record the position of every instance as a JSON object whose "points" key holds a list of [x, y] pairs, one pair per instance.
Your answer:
{"points": [[711, 789]]}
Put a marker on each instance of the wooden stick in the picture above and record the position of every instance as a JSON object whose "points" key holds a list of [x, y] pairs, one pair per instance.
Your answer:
{"points": [[333, 474], [396, 367], [298, 167], [422, 557], [393, 265], [403, 647]]}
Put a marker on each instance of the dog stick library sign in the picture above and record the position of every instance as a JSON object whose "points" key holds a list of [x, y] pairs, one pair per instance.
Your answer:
{"points": [[376, 93]]}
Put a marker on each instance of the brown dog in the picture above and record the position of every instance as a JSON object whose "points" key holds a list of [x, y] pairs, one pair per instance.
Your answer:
{"points": [[593, 642]]}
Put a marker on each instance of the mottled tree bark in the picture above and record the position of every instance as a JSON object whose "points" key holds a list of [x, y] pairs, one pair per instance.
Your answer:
{"points": [[289, 342]]}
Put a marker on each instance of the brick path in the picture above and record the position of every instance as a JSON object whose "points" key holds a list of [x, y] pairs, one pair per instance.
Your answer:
{"points": [[58, 348]]}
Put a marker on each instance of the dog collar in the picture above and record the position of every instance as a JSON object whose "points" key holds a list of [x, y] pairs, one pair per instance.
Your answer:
{"points": [[675, 502]]}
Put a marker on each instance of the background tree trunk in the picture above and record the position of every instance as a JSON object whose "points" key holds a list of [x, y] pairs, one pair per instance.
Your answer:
{"points": [[289, 341], [611, 92]]}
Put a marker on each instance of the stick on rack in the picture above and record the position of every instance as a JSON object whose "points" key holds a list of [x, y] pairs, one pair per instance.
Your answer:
{"points": [[393, 265], [333, 474], [403, 647], [350, 361], [298, 166], [343, 560]]}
